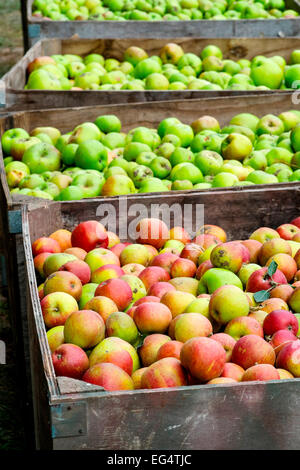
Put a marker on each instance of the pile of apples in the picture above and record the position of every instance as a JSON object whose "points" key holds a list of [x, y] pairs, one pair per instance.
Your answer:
{"points": [[98, 159], [171, 69], [167, 310], [158, 10]]}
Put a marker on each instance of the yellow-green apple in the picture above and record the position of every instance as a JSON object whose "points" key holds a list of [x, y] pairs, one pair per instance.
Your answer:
{"points": [[78, 252], [104, 306], [63, 281], [55, 337], [164, 373], [134, 253], [70, 360], [294, 300], [158, 289], [108, 345], [289, 358], [117, 290], [152, 252], [45, 244], [205, 123], [133, 269], [284, 374], [287, 231], [246, 271], [88, 292], [236, 147], [286, 264], [100, 257], [173, 246], [228, 256], [204, 358], [228, 302], [253, 247], [170, 349], [137, 378], [109, 376], [214, 230], [53, 262], [191, 251], [252, 349], [171, 53], [242, 326], [227, 342], [259, 315], [260, 280], [183, 268], [280, 338], [189, 325], [260, 372], [85, 328], [105, 272], [121, 325], [137, 286], [113, 239], [152, 317], [272, 247], [56, 307], [150, 347], [152, 231], [263, 234], [164, 260], [89, 235], [214, 278], [185, 284], [79, 268], [153, 274]]}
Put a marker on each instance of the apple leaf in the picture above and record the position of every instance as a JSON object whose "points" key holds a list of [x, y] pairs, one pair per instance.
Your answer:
{"points": [[272, 268], [261, 296]]}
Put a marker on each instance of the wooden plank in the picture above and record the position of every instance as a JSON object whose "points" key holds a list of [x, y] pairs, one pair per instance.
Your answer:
{"points": [[16, 98]]}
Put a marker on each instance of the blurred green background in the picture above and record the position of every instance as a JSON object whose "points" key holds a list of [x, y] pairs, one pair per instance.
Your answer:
{"points": [[11, 39]]}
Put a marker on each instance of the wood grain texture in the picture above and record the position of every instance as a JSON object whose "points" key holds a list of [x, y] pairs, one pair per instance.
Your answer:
{"points": [[16, 98]]}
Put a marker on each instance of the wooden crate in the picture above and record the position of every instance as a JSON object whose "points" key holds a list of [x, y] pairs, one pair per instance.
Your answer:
{"points": [[38, 29], [13, 96], [71, 414]]}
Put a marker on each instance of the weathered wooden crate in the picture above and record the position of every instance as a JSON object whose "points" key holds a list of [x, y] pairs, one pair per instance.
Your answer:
{"points": [[14, 97], [71, 414], [38, 29], [132, 115]]}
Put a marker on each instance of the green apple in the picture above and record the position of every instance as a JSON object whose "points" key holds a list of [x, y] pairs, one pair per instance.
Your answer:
{"points": [[134, 55], [68, 154], [224, 179], [245, 120], [134, 149], [42, 157], [279, 155], [9, 136], [214, 278], [91, 185], [257, 160], [71, 193], [31, 181], [139, 174], [211, 50], [292, 76], [295, 138], [268, 73], [156, 81], [270, 124], [181, 185], [91, 154], [208, 162], [180, 155], [261, 177], [152, 185], [146, 67], [84, 132]]}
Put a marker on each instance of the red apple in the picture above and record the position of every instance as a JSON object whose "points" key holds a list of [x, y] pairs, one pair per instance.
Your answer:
{"points": [[153, 232], [227, 342], [242, 326], [280, 338], [153, 274], [117, 290], [252, 349], [89, 235], [289, 358], [158, 289], [280, 320], [79, 268], [45, 245], [259, 280], [70, 360], [260, 372], [287, 231]]}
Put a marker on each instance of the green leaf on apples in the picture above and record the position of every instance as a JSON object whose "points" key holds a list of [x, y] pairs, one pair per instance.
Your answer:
{"points": [[140, 341], [272, 268], [261, 296]]}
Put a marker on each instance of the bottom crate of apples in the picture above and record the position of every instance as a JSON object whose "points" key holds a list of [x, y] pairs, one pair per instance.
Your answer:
{"points": [[168, 310]]}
